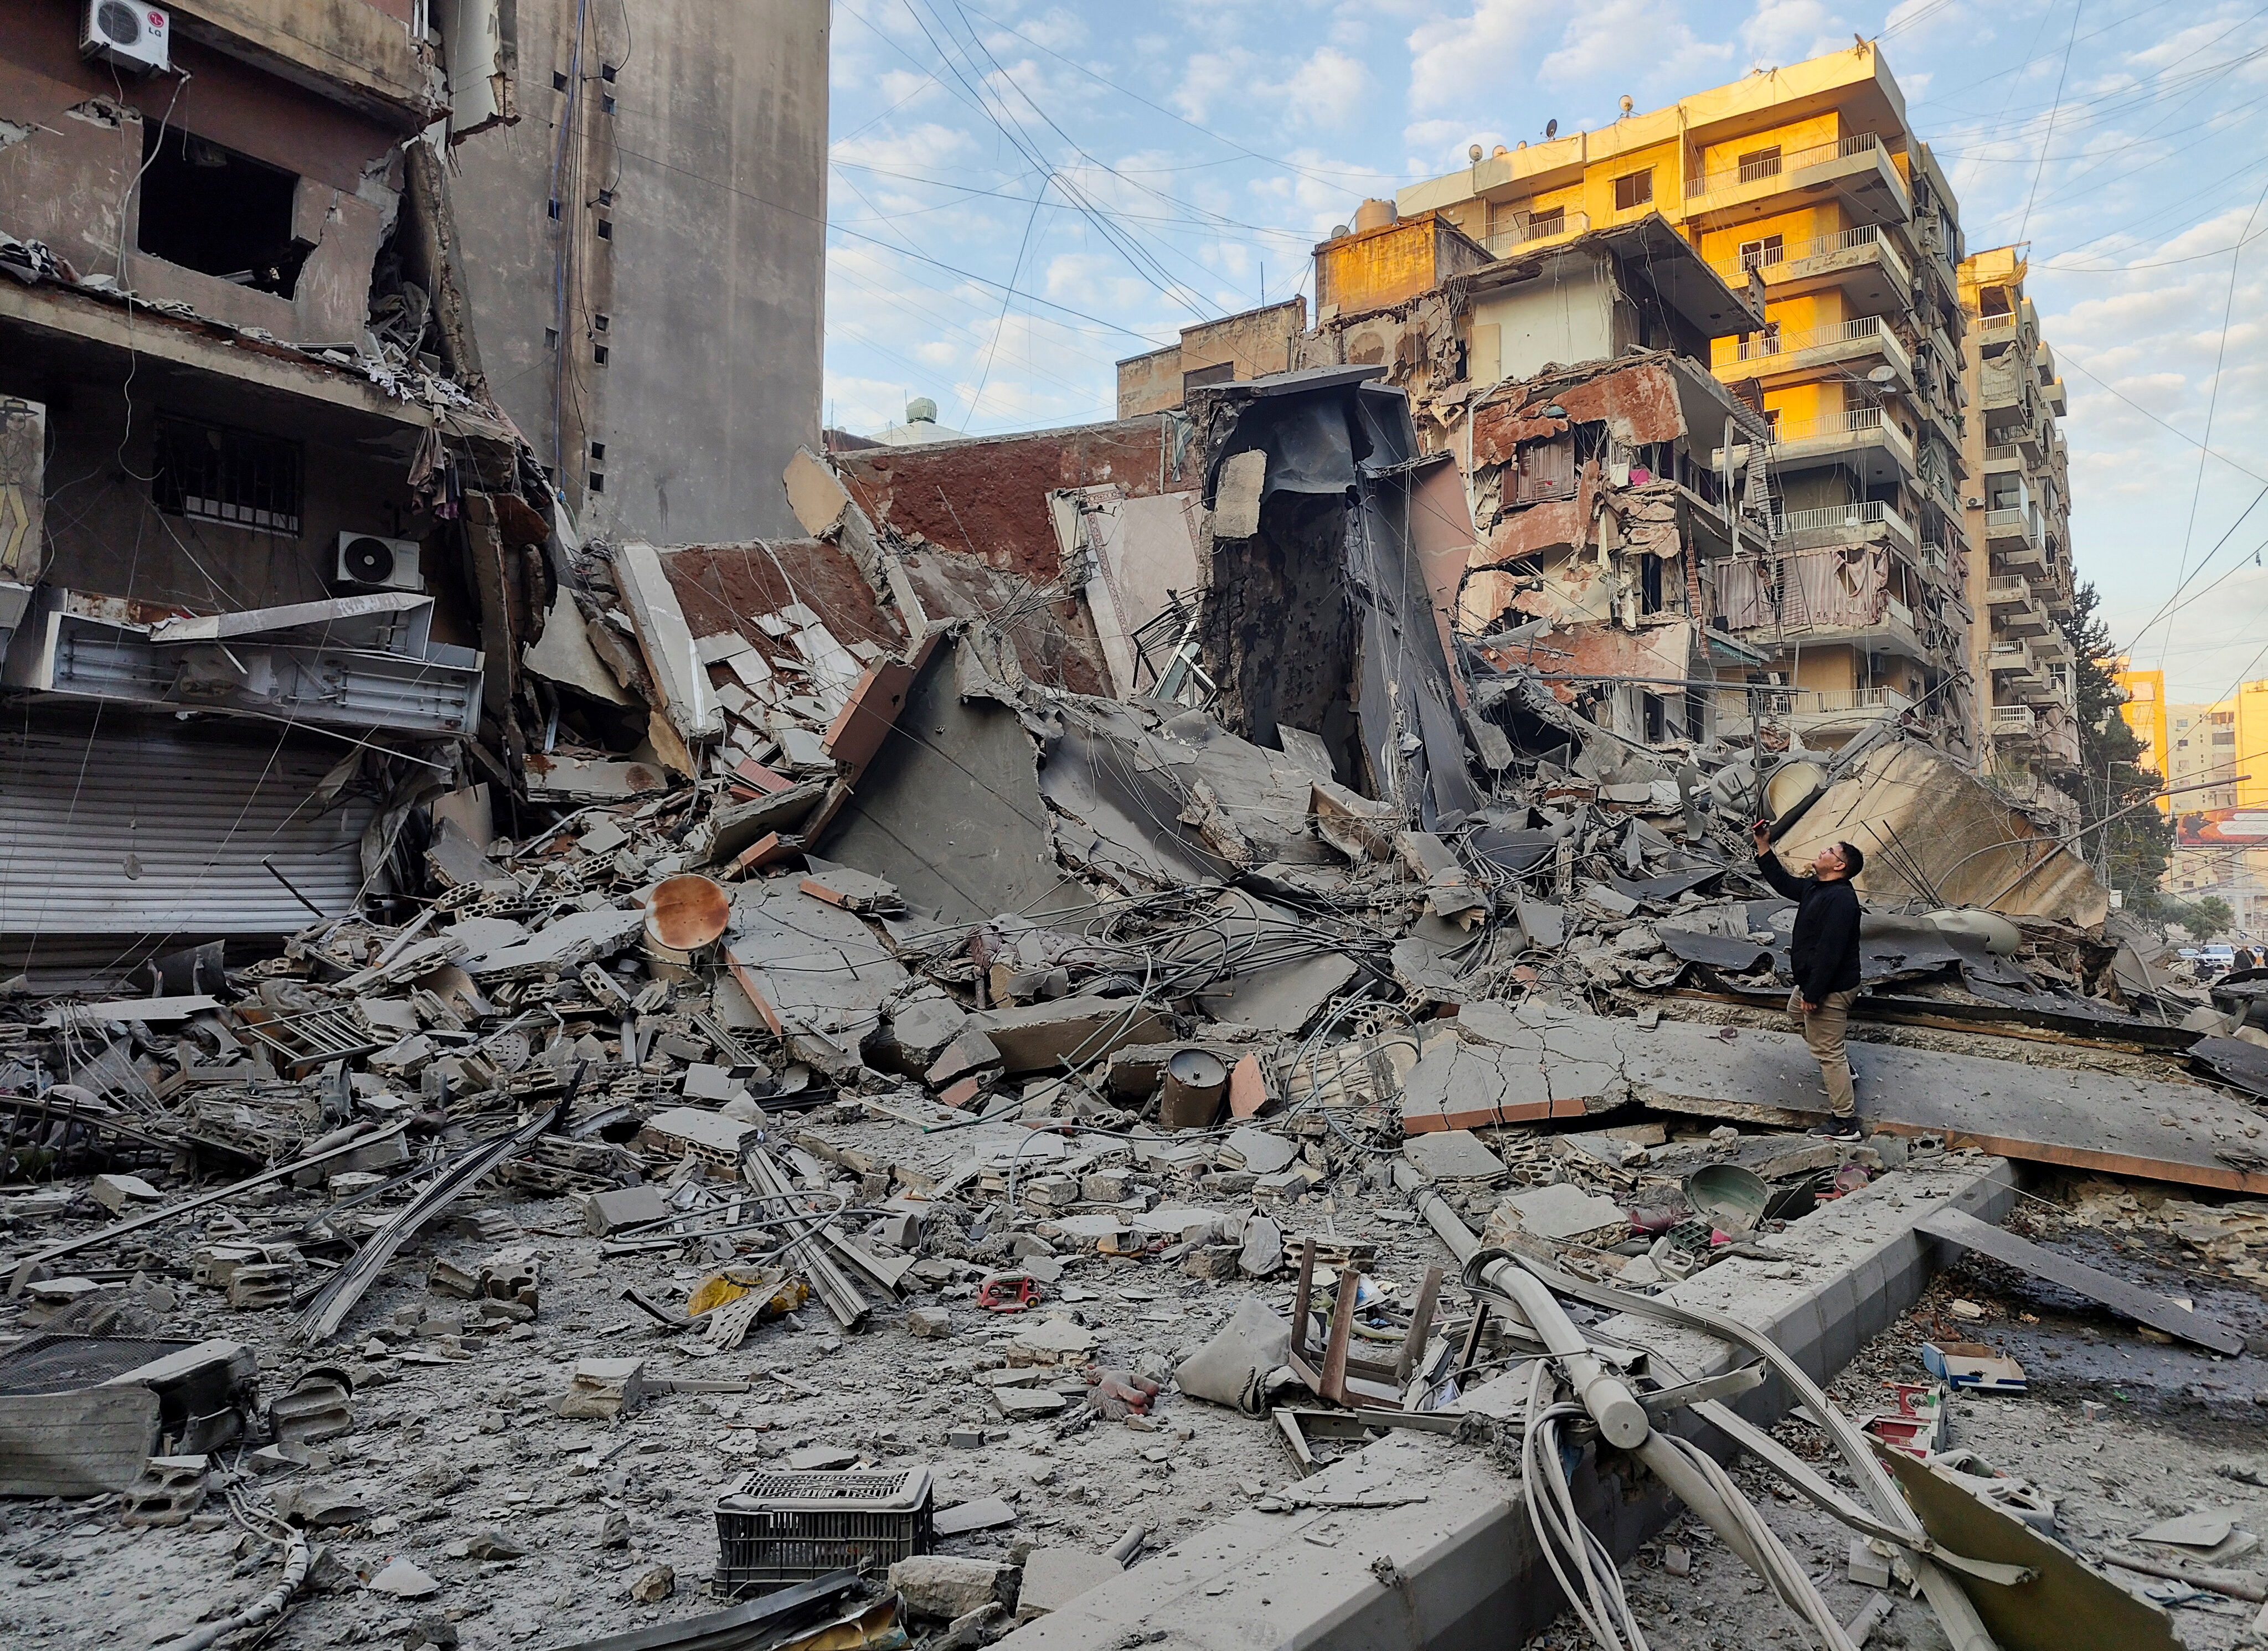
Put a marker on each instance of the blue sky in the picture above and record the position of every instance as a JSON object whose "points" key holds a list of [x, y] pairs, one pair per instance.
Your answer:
{"points": [[1023, 193]]}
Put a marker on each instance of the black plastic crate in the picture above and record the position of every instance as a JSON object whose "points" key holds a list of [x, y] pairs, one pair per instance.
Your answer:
{"points": [[781, 1528]]}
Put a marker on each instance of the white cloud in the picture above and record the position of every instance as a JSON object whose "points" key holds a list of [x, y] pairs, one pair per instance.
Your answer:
{"points": [[1782, 32], [1325, 91], [1452, 59], [1208, 75], [1644, 41]]}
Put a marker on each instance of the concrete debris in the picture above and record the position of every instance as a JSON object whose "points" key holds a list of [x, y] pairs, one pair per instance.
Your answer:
{"points": [[797, 1033]]}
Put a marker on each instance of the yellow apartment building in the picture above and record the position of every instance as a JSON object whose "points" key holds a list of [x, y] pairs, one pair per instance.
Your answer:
{"points": [[1805, 187], [2144, 713]]}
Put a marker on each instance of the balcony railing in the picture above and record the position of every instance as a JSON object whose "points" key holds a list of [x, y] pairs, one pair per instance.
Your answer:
{"points": [[1773, 165], [2012, 523], [1857, 515], [1773, 342], [1797, 591], [1735, 271], [1843, 424], [2008, 590], [2012, 722], [1546, 226]]}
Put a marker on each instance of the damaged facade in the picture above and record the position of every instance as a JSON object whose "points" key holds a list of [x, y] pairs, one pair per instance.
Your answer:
{"points": [[1794, 234], [1175, 1017], [926, 1022], [268, 386]]}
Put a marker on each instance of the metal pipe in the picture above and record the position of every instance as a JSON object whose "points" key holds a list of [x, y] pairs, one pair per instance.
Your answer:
{"points": [[1605, 1396]]}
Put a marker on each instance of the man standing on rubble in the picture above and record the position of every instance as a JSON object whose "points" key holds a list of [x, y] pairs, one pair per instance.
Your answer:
{"points": [[1823, 953]]}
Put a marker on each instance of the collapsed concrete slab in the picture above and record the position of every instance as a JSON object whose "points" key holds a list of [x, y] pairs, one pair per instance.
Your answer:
{"points": [[1531, 1061], [1417, 1540]]}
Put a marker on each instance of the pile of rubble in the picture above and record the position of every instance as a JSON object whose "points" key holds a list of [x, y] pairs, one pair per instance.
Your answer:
{"points": [[938, 1063]]}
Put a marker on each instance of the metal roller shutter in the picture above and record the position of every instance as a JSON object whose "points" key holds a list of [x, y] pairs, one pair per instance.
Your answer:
{"points": [[153, 831]]}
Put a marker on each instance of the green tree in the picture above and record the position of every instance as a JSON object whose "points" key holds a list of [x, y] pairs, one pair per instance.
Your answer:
{"points": [[2132, 850]]}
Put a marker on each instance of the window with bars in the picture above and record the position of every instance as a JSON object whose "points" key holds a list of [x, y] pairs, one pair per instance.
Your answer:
{"points": [[239, 477], [1634, 189]]}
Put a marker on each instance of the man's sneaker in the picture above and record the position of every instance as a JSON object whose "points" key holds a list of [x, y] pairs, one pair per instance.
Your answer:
{"points": [[1840, 1130]]}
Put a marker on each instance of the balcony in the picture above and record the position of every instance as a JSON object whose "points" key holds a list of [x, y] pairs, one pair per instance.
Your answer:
{"points": [[1788, 357], [1536, 231], [2016, 611], [1846, 524], [2011, 657], [1818, 595], [2016, 723], [2053, 398], [1863, 261], [2014, 539], [1857, 170], [1860, 436], [1822, 713]]}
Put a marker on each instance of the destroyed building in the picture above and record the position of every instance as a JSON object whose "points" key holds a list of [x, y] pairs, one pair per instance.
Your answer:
{"points": [[1161, 1031], [1792, 232]]}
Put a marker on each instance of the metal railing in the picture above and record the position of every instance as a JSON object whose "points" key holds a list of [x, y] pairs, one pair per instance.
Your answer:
{"points": [[1844, 423], [1855, 515], [1736, 270], [1773, 165], [1998, 450], [1999, 522], [2004, 590], [1773, 342], [1836, 699], [1935, 556], [1548, 226], [2008, 720]]}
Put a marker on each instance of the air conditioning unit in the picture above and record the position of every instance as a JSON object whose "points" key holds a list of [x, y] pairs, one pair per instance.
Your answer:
{"points": [[131, 36], [388, 564]]}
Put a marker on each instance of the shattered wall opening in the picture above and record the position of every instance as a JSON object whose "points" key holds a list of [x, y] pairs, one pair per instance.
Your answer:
{"points": [[1278, 634], [208, 207]]}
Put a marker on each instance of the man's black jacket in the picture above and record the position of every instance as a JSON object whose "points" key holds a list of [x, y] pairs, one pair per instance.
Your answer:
{"points": [[1825, 950]]}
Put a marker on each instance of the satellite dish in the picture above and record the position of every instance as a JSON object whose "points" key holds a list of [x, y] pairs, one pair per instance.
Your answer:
{"points": [[1884, 374], [367, 561], [1474, 154], [1551, 127]]}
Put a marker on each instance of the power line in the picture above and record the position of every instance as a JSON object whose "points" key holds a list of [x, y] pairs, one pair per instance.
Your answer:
{"points": [[2212, 401]]}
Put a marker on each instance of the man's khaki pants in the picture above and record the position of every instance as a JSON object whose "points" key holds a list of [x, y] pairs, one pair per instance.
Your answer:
{"points": [[1823, 1031]]}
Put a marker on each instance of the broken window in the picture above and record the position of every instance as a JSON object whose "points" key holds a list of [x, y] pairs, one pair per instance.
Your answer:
{"points": [[1993, 301], [209, 472], [1547, 469], [210, 209], [1219, 373], [1551, 222], [1760, 163], [1634, 189], [1755, 254], [1657, 716], [1649, 584]]}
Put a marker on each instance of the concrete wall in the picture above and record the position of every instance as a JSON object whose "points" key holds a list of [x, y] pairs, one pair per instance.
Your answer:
{"points": [[1150, 383], [1574, 312], [104, 532], [68, 178], [711, 283]]}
